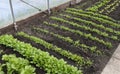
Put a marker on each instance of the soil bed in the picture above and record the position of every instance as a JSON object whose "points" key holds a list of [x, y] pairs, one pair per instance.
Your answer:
{"points": [[37, 21]]}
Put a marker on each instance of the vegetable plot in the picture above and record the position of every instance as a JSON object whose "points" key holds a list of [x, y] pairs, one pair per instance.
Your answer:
{"points": [[72, 41]]}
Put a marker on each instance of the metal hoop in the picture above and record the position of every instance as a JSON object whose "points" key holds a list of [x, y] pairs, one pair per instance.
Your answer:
{"points": [[13, 16], [30, 5], [48, 5], [12, 11]]}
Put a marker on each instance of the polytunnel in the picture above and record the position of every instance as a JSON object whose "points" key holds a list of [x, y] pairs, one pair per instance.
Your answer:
{"points": [[23, 9]]}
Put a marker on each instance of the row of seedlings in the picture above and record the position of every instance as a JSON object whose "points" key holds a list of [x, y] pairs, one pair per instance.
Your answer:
{"points": [[93, 14], [101, 20], [86, 28], [98, 5], [110, 7], [78, 59], [76, 43], [16, 65], [80, 33], [101, 26], [42, 59], [104, 34]]}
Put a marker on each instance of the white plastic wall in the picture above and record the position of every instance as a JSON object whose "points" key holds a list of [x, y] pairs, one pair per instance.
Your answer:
{"points": [[23, 10]]}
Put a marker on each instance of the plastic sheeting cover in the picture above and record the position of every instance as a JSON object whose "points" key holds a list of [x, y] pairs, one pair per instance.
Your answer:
{"points": [[22, 10]]}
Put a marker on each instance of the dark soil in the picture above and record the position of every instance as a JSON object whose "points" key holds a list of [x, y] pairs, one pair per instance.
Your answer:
{"points": [[116, 13], [37, 21]]}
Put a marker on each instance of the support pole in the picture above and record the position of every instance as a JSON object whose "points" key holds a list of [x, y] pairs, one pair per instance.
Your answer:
{"points": [[48, 5], [30, 5], [13, 16]]}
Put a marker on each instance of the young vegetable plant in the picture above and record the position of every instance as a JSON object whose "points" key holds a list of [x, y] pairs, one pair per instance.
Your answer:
{"points": [[19, 65], [78, 59], [110, 7], [42, 59], [101, 20], [85, 48], [83, 26], [92, 14], [98, 5], [88, 36]]}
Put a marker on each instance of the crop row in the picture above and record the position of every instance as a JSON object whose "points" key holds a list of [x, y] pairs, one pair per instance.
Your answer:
{"points": [[93, 14], [110, 7], [98, 5], [42, 59], [18, 65], [83, 26], [76, 43], [94, 24], [101, 20], [87, 36], [78, 59]]}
